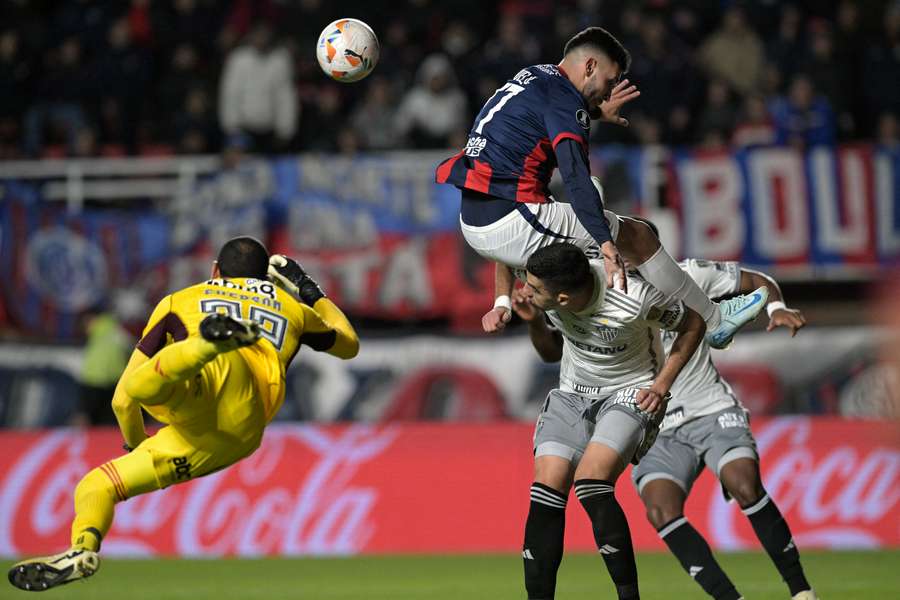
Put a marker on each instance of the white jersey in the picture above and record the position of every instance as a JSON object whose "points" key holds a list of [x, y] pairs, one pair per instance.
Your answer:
{"points": [[614, 342], [699, 389]]}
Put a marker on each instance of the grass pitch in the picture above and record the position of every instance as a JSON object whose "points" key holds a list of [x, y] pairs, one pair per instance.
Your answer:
{"points": [[835, 575]]}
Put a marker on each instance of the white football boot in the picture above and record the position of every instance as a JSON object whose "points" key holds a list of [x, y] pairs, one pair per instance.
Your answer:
{"points": [[39, 574], [736, 313]]}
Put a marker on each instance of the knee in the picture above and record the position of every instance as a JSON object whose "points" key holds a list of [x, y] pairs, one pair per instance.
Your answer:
{"points": [[659, 514], [746, 491], [641, 242]]}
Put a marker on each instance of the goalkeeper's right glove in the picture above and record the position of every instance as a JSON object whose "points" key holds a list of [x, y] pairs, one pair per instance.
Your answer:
{"points": [[288, 273]]}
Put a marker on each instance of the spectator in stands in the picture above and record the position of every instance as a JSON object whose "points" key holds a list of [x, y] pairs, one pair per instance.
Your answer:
{"points": [[786, 48], [662, 71], [122, 75], [433, 113], [803, 117], [829, 72], [734, 52], [195, 125], [322, 118], [510, 50], [106, 353], [888, 132], [15, 83], [60, 92], [882, 66], [183, 75], [257, 95], [718, 113], [374, 117], [754, 125]]}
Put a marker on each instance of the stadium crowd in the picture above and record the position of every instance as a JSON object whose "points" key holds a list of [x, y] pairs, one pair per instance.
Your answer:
{"points": [[88, 78]]}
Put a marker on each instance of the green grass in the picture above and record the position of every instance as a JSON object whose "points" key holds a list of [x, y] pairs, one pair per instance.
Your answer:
{"points": [[835, 575]]}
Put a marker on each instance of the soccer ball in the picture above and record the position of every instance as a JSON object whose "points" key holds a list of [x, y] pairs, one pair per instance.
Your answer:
{"points": [[347, 50]]}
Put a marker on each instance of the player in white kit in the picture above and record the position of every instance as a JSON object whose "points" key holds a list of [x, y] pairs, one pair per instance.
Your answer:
{"points": [[705, 424], [614, 380]]}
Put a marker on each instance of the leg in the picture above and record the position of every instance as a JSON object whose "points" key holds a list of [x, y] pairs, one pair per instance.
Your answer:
{"points": [[664, 500], [545, 528], [559, 440], [741, 478], [618, 433], [156, 380], [640, 247]]}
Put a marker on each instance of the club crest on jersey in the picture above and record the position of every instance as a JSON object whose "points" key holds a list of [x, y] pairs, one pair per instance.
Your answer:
{"points": [[607, 334], [583, 118]]}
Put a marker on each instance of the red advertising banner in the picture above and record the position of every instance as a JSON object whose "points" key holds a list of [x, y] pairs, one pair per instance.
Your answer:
{"points": [[431, 488]]}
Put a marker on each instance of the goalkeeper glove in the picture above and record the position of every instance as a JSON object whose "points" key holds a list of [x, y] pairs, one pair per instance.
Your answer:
{"points": [[288, 273]]}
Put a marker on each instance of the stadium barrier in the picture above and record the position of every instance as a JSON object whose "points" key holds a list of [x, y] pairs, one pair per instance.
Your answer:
{"points": [[431, 488]]}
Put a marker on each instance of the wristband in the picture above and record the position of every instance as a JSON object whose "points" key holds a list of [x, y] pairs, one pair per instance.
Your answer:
{"points": [[775, 305], [503, 301]]}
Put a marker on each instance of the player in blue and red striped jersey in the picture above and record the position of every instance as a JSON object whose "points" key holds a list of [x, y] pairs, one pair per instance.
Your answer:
{"points": [[540, 120]]}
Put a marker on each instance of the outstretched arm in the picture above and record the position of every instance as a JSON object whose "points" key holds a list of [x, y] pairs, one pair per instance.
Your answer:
{"points": [[325, 327], [779, 314]]}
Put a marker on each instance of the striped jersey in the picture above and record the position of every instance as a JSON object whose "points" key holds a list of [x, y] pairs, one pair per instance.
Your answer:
{"points": [[699, 389], [613, 343], [510, 150]]}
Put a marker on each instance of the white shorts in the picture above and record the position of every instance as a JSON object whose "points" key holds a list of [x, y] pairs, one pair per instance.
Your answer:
{"points": [[513, 238]]}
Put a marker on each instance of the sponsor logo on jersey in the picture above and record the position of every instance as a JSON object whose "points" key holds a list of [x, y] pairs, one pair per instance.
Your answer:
{"points": [[673, 418], [524, 77], [732, 419], [602, 350], [583, 118], [475, 145]]}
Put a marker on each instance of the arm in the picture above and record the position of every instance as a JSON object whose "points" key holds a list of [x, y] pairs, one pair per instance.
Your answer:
{"points": [[690, 333], [126, 408], [547, 342], [588, 206], [325, 327], [779, 314], [496, 319], [345, 342]]}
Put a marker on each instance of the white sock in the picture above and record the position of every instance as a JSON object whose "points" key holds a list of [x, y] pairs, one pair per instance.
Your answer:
{"points": [[663, 272]]}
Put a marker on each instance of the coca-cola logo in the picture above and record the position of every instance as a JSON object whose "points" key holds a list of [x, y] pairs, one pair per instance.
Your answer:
{"points": [[259, 506], [835, 498]]}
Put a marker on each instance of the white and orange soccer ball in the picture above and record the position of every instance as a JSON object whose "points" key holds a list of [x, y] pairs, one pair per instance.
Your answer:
{"points": [[347, 50]]}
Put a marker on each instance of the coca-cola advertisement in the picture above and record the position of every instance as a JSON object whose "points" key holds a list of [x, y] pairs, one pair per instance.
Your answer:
{"points": [[432, 488]]}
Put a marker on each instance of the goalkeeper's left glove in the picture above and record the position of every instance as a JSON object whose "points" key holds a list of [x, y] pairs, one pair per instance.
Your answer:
{"points": [[288, 273]]}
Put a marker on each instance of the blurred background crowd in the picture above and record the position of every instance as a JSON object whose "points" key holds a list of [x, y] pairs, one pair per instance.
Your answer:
{"points": [[162, 77]]}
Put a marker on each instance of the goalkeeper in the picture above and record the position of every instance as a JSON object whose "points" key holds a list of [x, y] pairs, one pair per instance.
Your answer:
{"points": [[211, 367]]}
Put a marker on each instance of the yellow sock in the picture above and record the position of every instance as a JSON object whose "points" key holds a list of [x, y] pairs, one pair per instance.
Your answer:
{"points": [[95, 500], [175, 363], [98, 492]]}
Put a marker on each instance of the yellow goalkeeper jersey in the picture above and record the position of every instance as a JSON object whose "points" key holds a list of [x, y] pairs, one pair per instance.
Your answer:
{"points": [[285, 324]]}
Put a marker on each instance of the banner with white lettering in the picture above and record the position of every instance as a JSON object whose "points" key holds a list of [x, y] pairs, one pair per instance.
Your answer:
{"points": [[383, 238], [394, 489]]}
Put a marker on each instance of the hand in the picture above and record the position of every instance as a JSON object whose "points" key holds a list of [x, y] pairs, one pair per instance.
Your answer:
{"points": [[615, 267], [787, 317], [495, 320], [651, 401], [523, 307], [609, 108], [288, 273]]}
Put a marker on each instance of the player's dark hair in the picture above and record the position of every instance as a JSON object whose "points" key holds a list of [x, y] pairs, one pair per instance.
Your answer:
{"points": [[563, 267], [243, 257], [603, 41], [648, 223]]}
